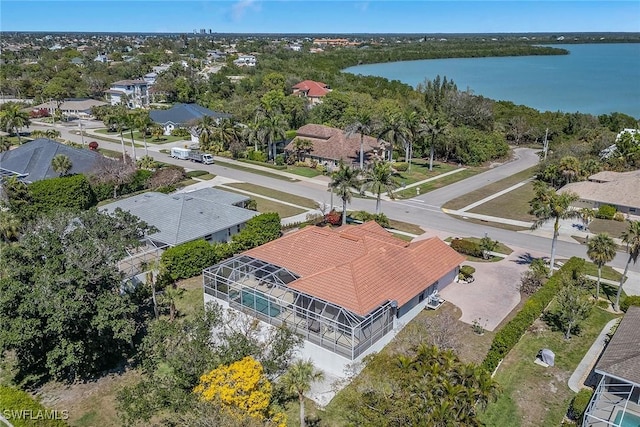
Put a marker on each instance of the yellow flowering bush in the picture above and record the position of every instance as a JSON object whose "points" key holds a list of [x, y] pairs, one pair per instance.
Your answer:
{"points": [[242, 388]]}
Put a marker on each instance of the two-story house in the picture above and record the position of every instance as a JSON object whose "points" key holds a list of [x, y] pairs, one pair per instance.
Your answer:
{"points": [[133, 93], [245, 61]]}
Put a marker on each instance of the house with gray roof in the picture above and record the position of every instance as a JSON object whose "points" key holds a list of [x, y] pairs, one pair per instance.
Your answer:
{"points": [[183, 115], [616, 401], [32, 161], [208, 213]]}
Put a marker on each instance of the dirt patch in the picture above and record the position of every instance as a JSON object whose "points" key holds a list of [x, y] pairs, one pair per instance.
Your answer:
{"points": [[89, 404]]}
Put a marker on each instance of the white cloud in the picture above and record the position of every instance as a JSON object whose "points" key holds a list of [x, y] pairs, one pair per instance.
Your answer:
{"points": [[239, 9]]}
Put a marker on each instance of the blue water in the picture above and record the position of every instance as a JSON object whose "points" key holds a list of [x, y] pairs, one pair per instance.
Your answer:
{"points": [[593, 78], [630, 420], [260, 304]]}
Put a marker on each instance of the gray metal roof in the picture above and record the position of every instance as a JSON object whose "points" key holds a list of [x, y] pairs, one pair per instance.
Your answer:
{"points": [[621, 358], [183, 217], [33, 159], [184, 113]]}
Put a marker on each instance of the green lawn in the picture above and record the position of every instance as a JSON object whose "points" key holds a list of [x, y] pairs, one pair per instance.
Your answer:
{"points": [[406, 227], [607, 272], [275, 194], [512, 205], [252, 170], [609, 226], [438, 183], [536, 396], [137, 135], [265, 205], [304, 171], [500, 248], [488, 190], [420, 171]]}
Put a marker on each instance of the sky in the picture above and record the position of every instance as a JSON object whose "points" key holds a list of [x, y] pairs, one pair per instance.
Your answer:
{"points": [[324, 16]]}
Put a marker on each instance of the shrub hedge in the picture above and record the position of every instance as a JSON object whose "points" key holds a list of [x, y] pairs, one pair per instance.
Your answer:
{"points": [[189, 259], [466, 247], [511, 333], [606, 212], [12, 399], [266, 165], [400, 166], [67, 192], [579, 404], [629, 301]]}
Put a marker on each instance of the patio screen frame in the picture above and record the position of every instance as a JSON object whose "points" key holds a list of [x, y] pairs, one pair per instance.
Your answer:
{"points": [[612, 395], [260, 289]]}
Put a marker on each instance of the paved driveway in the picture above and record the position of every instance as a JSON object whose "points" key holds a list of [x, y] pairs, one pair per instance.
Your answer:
{"points": [[494, 293]]}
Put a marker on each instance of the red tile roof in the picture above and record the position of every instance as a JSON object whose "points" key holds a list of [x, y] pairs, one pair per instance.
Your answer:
{"points": [[359, 267], [311, 88], [332, 143]]}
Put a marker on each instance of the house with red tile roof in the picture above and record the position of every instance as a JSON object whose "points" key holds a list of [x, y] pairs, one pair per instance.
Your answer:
{"points": [[313, 91], [344, 290], [330, 145]]}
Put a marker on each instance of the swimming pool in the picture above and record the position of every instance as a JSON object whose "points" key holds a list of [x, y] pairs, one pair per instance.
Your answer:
{"points": [[630, 420], [259, 303]]}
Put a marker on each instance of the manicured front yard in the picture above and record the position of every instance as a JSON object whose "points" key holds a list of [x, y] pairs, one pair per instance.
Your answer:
{"points": [[531, 394], [512, 205], [488, 190], [138, 137], [609, 226], [275, 194], [437, 183], [304, 171], [420, 171]]}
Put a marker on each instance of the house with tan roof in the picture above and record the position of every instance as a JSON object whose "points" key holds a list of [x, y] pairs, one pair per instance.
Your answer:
{"points": [[618, 189], [311, 90], [616, 400], [330, 145], [346, 291]]}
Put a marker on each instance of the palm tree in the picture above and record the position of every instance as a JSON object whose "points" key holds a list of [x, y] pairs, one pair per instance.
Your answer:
{"points": [[9, 226], [52, 133], [5, 144], [601, 250], [433, 126], [395, 132], [61, 164], [363, 124], [272, 129], [632, 238], [205, 129], [586, 215], [412, 126], [342, 182], [298, 379], [12, 119], [378, 179], [116, 120], [548, 205], [142, 122], [130, 122]]}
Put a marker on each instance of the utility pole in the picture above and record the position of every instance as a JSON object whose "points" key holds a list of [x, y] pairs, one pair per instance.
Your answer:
{"points": [[545, 146]]}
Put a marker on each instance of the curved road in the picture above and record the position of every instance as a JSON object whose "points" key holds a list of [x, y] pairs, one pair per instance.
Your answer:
{"points": [[424, 210]]}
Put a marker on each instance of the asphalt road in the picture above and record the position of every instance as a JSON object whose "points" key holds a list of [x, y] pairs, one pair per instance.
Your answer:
{"points": [[424, 210]]}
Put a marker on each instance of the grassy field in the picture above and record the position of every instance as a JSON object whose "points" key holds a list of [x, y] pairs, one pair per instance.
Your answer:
{"points": [[304, 171], [512, 205], [488, 190], [531, 394], [607, 272], [265, 205], [420, 171], [438, 183], [252, 170], [406, 227], [609, 226], [137, 136], [275, 194]]}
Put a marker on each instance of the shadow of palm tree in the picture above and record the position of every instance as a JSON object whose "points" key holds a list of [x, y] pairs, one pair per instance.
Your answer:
{"points": [[526, 259]]}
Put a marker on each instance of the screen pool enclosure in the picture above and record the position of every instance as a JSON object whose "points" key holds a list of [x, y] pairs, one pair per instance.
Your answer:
{"points": [[266, 291]]}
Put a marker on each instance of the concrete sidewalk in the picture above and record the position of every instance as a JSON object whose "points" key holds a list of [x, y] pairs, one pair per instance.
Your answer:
{"points": [[577, 379]]}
